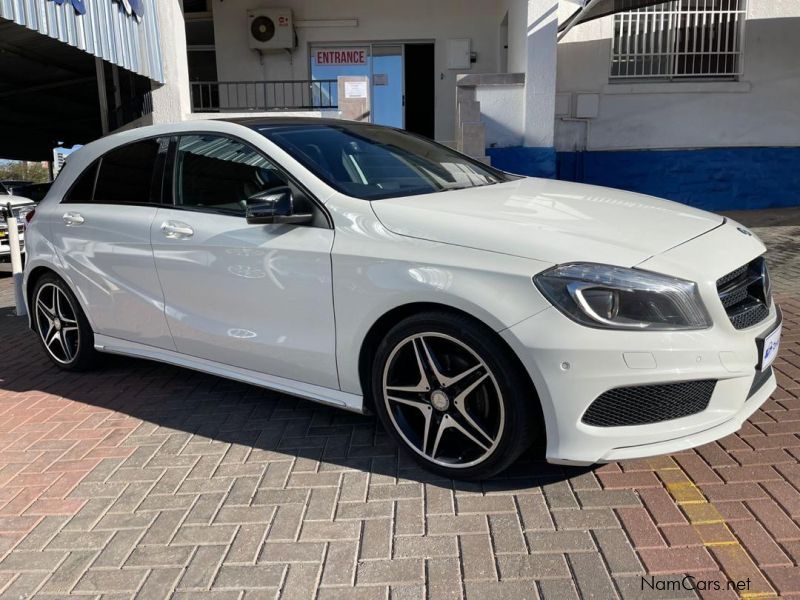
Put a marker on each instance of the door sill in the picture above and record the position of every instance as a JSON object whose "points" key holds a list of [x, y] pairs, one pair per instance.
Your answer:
{"points": [[307, 391]]}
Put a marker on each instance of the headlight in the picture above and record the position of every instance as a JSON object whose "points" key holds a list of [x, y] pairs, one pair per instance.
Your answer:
{"points": [[617, 298]]}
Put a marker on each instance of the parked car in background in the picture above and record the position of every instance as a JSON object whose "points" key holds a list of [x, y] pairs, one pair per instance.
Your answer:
{"points": [[20, 207], [476, 312], [6, 185], [33, 191]]}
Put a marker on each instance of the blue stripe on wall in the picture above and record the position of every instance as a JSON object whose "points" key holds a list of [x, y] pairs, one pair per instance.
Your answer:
{"points": [[535, 162], [712, 179]]}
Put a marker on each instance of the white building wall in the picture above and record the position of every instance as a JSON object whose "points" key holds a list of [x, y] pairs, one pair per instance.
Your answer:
{"points": [[378, 20], [762, 109], [502, 113]]}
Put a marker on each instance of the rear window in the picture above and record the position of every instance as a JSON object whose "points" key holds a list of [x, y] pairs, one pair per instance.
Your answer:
{"points": [[130, 174], [127, 173]]}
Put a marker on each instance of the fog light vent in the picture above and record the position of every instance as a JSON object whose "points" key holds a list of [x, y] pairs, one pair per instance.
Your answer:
{"points": [[646, 404]]}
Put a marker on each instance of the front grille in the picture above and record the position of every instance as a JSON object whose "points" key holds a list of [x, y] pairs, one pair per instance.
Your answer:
{"points": [[646, 404], [761, 378], [745, 293]]}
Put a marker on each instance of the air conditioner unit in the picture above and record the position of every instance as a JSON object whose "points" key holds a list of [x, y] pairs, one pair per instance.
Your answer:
{"points": [[271, 28]]}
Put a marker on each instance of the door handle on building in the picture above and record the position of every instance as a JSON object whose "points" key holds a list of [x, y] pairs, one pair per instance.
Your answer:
{"points": [[175, 230], [73, 218]]}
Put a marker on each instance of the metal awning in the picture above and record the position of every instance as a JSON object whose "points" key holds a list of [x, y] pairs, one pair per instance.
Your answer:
{"points": [[101, 28], [594, 9]]}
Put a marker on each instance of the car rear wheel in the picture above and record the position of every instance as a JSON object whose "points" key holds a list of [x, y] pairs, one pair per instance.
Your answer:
{"points": [[63, 329], [447, 389]]}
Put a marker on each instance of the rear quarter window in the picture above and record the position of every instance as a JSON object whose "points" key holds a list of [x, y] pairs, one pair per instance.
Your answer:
{"points": [[82, 190]]}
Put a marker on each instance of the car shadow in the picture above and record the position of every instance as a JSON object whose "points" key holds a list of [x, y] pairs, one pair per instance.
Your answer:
{"points": [[180, 400]]}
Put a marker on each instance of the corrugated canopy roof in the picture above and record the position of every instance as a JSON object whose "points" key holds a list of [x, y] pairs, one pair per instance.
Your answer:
{"points": [[594, 9]]}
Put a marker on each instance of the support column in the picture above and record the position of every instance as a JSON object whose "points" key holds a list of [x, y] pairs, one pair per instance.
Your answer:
{"points": [[102, 97], [540, 77], [172, 100], [538, 156]]}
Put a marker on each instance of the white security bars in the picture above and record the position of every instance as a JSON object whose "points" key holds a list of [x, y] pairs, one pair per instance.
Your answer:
{"points": [[681, 39]]}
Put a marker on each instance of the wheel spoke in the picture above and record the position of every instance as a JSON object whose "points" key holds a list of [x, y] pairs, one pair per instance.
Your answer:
{"points": [[61, 300], [423, 406], [460, 402], [57, 337], [48, 312], [426, 410], [423, 385], [66, 346], [449, 423], [449, 381], [57, 303]]}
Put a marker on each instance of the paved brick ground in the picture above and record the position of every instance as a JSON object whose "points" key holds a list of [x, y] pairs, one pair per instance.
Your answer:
{"points": [[151, 481]]}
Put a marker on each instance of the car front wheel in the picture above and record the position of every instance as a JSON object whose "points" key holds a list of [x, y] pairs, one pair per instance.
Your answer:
{"points": [[447, 388]]}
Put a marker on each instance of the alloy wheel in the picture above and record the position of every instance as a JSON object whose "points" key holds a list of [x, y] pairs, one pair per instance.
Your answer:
{"points": [[57, 323], [443, 399]]}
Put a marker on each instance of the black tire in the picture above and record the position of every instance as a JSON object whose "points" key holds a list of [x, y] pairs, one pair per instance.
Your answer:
{"points": [[513, 427], [57, 316]]}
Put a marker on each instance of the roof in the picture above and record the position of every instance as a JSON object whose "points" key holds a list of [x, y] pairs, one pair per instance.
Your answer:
{"points": [[279, 121]]}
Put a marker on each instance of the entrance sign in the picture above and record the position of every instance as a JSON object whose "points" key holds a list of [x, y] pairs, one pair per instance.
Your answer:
{"points": [[340, 56]]}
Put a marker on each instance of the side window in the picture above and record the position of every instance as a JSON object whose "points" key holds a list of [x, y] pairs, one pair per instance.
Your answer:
{"points": [[82, 190], [129, 175], [219, 174]]}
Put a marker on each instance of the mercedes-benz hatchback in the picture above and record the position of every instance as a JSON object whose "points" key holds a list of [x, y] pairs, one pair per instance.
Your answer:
{"points": [[476, 312]]}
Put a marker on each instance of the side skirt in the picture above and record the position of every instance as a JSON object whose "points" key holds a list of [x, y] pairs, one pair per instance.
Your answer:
{"points": [[307, 391]]}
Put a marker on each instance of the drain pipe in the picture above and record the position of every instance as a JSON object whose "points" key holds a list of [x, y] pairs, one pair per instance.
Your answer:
{"points": [[16, 260]]}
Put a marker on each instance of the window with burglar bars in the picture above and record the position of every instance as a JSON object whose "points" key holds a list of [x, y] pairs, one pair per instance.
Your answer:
{"points": [[681, 39]]}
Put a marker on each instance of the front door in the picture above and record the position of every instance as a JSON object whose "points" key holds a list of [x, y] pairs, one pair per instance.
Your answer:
{"points": [[258, 297]]}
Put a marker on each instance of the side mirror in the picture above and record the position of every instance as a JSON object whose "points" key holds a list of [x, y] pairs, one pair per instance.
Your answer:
{"points": [[274, 206]]}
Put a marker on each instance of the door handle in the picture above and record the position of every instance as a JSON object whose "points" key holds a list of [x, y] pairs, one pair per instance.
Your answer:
{"points": [[73, 218], [175, 230]]}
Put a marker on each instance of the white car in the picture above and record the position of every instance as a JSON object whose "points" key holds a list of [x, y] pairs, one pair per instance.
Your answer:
{"points": [[476, 312], [20, 207]]}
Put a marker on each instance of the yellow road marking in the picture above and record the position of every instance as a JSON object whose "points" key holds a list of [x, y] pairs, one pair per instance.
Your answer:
{"points": [[708, 522]]}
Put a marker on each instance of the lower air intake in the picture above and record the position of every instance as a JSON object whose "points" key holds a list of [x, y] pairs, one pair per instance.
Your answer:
{"points": [[646, 404]]}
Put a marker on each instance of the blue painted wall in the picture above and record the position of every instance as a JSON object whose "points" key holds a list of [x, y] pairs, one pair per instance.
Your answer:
{"points": [[536, 162], [712, 179]]}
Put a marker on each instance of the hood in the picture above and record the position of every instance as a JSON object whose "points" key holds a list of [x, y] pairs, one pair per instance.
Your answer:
{"points": [[14, 200], [548, 220]]}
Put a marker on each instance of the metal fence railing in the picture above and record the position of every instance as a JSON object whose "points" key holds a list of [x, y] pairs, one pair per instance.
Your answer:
{"points": [[679, 39], [244, 96]]}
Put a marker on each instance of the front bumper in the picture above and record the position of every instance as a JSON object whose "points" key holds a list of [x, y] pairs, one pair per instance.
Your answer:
{"points": [[572, 365]]}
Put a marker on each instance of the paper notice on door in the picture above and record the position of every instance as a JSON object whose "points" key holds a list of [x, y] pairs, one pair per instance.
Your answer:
{"points": [[355, 89]]}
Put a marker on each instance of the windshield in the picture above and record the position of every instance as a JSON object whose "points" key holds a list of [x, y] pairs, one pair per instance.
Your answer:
{"points": [[369, 162]]}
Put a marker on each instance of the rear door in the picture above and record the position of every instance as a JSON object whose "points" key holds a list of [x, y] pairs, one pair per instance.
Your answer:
{"points": [[102, 236], [257, 297]]}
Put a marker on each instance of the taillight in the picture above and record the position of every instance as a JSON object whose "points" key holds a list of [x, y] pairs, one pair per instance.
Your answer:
{"points": [[29, 215]]}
